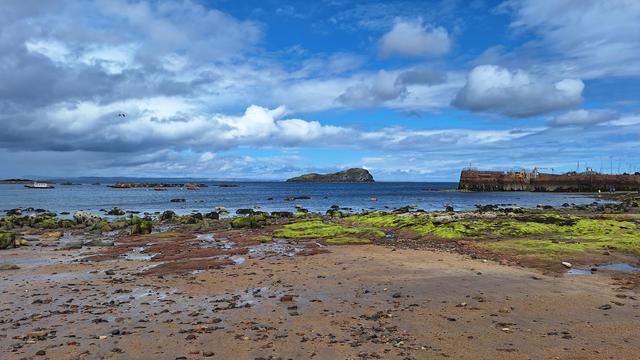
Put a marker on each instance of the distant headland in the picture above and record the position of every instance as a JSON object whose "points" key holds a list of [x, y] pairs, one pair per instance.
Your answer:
{"points": [[354, 175]]}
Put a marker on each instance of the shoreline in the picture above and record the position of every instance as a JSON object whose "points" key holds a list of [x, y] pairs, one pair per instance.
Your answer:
{"points": [[397, 284]]}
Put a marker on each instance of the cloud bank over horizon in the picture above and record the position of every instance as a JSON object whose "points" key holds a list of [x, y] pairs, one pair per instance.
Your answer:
{"points": [[181, 88]]}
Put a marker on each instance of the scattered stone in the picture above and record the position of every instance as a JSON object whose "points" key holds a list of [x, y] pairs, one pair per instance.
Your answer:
{"points": [[286, 298], [9, 267], [566, 264], [604, 307]]}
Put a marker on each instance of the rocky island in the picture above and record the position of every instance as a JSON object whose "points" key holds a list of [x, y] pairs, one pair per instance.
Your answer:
{"points": [[354, 175]]}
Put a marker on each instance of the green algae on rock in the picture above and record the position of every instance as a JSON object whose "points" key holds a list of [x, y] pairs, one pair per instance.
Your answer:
{"points": [[251, 221], [316, 229], [526, 232], [7, 240], [263, 239]]}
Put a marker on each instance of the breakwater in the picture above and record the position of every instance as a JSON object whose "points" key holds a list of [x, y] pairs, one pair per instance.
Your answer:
{"points": [[590, 181]]}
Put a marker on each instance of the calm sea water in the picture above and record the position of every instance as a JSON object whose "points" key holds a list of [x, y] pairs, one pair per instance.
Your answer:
{"points": [[270, 196]]}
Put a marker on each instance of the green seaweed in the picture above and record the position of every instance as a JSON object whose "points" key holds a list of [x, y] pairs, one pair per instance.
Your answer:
{"points": [[522, 233], [263, 239], [316, 229]]}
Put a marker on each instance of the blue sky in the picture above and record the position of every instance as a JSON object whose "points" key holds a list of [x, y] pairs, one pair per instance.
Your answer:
{"points": [[411, 90]]}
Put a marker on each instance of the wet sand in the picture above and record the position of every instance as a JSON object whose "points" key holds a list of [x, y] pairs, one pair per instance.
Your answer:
{"points": [[354, 302]]}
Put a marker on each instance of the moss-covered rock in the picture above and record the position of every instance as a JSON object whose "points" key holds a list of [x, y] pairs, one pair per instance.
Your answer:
{"points": [[7, 240], [168, 216], [141, 226], [251, 221], [316, 229]]}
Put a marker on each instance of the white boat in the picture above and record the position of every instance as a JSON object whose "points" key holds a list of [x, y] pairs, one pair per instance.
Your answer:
{"points": [[39, 185]]}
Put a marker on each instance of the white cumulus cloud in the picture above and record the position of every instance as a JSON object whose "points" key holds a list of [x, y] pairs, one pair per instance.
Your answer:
{"points": [[414, 39], [494, 89], [582, 118]]}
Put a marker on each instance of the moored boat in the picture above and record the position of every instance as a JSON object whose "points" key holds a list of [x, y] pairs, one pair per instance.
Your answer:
{"points": [[39, 185]]}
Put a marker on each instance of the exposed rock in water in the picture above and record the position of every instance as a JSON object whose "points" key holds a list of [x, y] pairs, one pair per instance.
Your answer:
{"points": [[354, 175], [116, 211]]}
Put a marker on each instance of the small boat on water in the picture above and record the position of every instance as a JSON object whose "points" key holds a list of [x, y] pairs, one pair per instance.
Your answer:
{"points": [[39, 185]]}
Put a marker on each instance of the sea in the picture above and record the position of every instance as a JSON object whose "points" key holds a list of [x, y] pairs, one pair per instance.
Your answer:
{"points": [[273, 196]]}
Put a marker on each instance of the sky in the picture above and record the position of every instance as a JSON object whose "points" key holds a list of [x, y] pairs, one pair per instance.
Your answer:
{"points": [[269, 89]]}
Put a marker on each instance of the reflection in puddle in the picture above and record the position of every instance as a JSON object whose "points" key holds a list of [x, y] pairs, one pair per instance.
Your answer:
{"points": [[619, 267]]}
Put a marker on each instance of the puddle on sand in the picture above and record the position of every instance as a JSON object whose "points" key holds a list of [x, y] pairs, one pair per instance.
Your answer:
{"points": [[610, 267], [619, 267], [276, 247], [578, 272], [211, 241], [205, 237], [137, 254], [237, 259]]}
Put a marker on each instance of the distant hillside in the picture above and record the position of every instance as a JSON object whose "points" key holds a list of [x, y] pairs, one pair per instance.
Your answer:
{"points": [[16, 181], [354, 175]]}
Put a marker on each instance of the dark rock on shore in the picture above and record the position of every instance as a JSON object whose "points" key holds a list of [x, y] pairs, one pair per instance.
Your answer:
{"points": [[116, 211], [212, 215], [86, 218], [167, 215], [282, 214], [244, 211], [354, 175]]}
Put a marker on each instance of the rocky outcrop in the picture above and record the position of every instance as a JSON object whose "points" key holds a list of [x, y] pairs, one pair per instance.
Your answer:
{"points": [[86, 218], [354, 175]]}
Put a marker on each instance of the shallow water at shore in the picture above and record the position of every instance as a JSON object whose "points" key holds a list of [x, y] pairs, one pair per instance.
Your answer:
{"points": [[272, 196]]}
